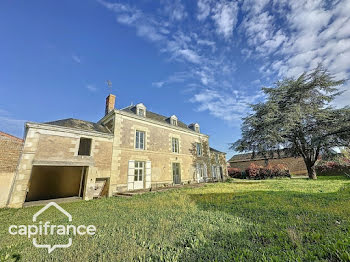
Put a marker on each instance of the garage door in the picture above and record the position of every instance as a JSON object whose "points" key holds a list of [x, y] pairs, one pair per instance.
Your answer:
{"points": [[50, 182]]}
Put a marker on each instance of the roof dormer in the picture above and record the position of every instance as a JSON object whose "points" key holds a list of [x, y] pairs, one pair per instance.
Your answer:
{"points": [[173, 120], [195, 127], [141, 110]]}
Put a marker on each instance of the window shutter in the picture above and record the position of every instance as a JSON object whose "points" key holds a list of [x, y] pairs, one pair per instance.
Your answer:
{"points": [[131, 173], [148, 174]]}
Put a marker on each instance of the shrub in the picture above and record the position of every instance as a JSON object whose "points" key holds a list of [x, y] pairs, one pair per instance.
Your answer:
{"points": [[234, 172], [338, 166], [270, 171]]}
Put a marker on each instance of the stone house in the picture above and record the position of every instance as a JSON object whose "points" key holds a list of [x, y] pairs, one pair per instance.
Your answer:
{"points": [[295, 165], [128, 149], [10, 150]]}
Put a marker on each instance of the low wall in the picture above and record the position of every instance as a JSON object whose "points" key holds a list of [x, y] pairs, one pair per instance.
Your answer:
{"points": [[5, 185]]}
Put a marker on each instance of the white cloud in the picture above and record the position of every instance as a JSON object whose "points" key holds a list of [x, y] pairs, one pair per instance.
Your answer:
{"points": [[189, 55], [76, 59], [225, 17], [91, 88], [203, 9], [229, 106]]}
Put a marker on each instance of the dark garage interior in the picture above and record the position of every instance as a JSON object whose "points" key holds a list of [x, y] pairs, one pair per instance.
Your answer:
{"points": [[51, 182]]}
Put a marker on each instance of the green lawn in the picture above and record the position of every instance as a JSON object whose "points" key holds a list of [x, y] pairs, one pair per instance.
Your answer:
{"points": [[273, 220]]}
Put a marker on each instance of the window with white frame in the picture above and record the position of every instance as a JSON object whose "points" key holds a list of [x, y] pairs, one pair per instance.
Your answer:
{"points": [[139, 170], [174, 122], [140, 140], [141, 112], [199, 149], [175, 145]]}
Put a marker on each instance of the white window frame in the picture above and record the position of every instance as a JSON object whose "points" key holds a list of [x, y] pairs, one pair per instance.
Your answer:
{"points": [[141, 112], [175, 145], [139, 171], [140, 144], [199, 149]]}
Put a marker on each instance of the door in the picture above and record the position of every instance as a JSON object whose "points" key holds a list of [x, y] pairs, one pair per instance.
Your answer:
{"points": [[176, 173], [139, 174], [221, 174]]}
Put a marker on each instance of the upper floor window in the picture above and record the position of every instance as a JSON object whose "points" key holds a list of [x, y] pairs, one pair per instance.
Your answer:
{"points": [[175, 145], [217, 158], [84, 147], [199, 149], [140, 140], [196, 128]]}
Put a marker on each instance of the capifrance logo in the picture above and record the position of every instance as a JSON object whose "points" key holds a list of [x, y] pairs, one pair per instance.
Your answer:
{"points": [[46, 228]]}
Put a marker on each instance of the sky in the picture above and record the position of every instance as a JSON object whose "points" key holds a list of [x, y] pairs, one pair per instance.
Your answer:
{"points": [[204, 61]]}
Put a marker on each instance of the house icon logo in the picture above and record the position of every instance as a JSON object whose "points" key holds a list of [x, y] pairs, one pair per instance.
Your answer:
{"points": [[35, 216], [46, 228]]}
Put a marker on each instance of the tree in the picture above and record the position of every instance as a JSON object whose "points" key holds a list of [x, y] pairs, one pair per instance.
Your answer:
{"points": [[297, 117]]}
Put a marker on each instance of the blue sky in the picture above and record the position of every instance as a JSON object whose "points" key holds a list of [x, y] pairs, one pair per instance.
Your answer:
{"points": [[204, 61]]}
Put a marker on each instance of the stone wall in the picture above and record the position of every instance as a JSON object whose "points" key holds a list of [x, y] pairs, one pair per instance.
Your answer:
{"points": [[158, 150], [55, 146], [296, 166], [10, 150]]}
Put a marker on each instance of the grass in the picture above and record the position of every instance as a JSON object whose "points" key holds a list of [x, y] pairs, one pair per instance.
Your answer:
{"points": [[272, 220]]}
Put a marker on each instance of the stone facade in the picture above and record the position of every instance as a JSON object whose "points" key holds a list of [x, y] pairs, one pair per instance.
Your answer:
{"points": [[114, 155], [10, 150]]}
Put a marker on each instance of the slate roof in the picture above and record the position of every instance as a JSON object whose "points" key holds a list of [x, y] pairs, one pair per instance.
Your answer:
{"points": [[216, 151], [80, 124], [156, 117]]}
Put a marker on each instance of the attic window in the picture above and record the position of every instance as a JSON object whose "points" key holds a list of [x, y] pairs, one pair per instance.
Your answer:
{"points": [[196, 128], [84, 147], [173, 120], [141, 112]]}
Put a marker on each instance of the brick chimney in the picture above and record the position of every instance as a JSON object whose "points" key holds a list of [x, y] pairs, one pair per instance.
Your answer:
{"points": [[110, 102]]}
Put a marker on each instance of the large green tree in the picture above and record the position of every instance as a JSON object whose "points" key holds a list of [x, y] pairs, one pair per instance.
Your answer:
{"points": [[298, 117]]}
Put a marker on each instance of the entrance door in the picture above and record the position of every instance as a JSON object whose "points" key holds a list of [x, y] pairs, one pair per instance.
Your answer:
{"points": [[139, 174], [221, 175], [176, 173]]}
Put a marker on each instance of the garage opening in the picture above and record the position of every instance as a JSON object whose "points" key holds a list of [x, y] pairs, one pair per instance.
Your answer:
{"points": [[51, 182]]}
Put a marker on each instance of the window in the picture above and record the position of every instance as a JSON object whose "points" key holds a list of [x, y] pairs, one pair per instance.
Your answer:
{"points": [[141, 112], [196, 128], [174, 122], [199, 149], [217, 158], [140, 140], [139, 170], [175, 145], [84, 147]]}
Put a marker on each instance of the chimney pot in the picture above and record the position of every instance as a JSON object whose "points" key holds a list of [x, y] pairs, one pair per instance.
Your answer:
{"points": [[110, 103]]}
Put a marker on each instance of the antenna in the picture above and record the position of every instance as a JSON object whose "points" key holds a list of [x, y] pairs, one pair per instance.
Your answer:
{"points": [[109, 83]]}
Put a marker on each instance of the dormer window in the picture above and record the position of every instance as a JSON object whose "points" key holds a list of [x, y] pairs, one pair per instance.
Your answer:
{"points": [[194, 127], [141, 110], [173, 120]]}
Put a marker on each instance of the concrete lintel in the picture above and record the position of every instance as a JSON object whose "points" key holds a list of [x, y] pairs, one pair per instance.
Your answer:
{"points": [[85, 162]]}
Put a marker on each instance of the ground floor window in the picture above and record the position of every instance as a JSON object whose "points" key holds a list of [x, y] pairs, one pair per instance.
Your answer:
{"points": [[139, 170]]}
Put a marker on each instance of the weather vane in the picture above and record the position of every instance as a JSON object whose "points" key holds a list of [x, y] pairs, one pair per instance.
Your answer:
{"points": [[109, 83]]}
